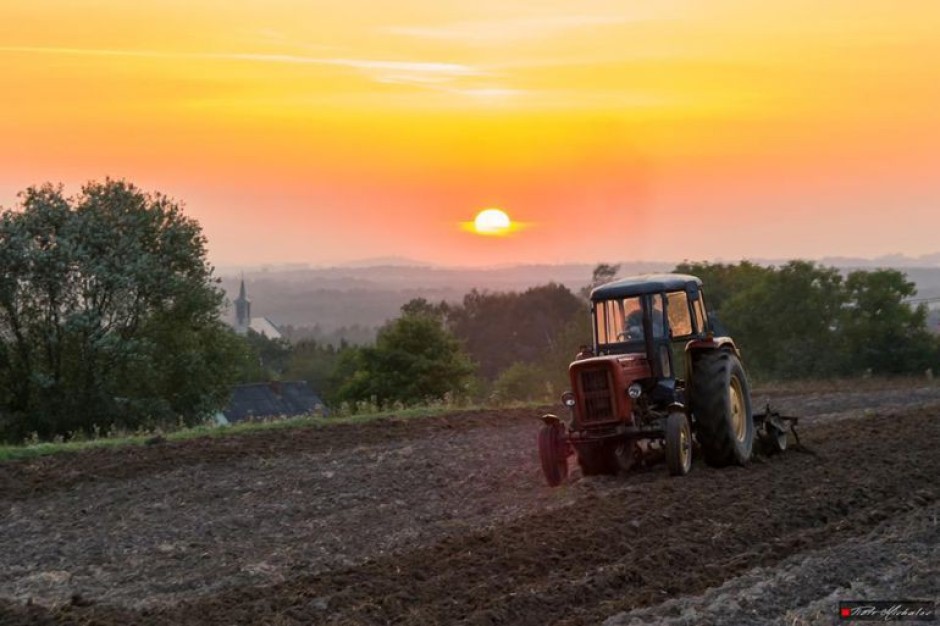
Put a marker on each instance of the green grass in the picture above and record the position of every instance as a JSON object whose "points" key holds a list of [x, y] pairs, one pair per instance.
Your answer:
{"points": [[32, 450]]}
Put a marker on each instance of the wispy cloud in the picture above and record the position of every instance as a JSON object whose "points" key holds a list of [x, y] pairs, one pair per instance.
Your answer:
{"points": [[489, 93], [453, 79], [380, 70], [508, 30], [417, 74]]}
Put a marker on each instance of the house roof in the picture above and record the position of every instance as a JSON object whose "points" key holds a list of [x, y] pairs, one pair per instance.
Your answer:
{"points": [[264, 326], [275, 399]]}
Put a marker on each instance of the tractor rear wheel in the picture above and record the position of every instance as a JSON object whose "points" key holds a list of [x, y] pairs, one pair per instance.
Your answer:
{"points": [[597, 458], [721, 404], [553, 454], [678, 444]]}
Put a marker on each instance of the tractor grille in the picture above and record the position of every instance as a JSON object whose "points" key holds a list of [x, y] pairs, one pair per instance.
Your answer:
{"points": [[595, 388]]}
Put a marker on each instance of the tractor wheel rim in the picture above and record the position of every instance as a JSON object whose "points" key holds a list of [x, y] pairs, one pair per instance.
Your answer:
{"points": [[737, 409], [685, 448]]}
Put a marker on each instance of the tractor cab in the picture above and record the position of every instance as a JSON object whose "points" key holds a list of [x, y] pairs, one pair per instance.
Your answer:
{"points": [[650, 316], [652, 319]]}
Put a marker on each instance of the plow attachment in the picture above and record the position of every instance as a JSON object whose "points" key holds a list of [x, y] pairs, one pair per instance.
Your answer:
{"points": [[772, 428]]}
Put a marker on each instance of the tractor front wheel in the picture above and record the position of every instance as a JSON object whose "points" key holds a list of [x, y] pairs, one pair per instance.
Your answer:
{"points": [[553, 453], [721, 404], [678, 444]]}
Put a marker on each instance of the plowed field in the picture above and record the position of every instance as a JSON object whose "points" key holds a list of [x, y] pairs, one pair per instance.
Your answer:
{"points": [[447, 520]]}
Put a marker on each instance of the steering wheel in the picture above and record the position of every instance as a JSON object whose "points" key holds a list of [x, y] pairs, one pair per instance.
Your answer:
{"points": [[631, 332]]}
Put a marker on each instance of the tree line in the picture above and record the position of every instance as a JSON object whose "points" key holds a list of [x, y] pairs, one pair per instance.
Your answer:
{"points": [[803, 320], [500, 346], [799, 320], [110, 318]]}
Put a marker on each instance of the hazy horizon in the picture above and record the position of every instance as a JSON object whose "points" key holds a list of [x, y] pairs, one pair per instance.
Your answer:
{"points": [[327, 132], [890, 260]]}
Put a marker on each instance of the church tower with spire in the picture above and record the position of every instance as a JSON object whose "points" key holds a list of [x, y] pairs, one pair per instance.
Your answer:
{"points": [[242, 311]]}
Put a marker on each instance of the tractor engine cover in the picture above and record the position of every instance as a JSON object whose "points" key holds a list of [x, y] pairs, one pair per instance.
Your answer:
{"points": [[600, 388]]}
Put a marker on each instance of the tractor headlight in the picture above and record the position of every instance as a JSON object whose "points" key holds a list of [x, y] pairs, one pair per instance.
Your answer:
{"points": [[634, 391], [568, 399]]}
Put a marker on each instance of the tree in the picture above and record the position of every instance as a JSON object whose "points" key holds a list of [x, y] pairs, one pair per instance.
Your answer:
{"points": [[320, 365], [554, 363], [414, 359], [499, 329], [109, 314], [268, 358], [721, 281], [787, 323], [603, 273], [521, 381], [805, 320], [884, 333], [420, 306]]}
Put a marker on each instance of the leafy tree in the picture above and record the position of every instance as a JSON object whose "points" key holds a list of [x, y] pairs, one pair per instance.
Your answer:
{"points": [[804, 320], [521, 381], [499, 329], [884, 333], [420, 306], [722, 281], [109, 314], [788, 322], [320, 365], [603, 273], [267, 358], [551, 367], [184, 373], [414, 359]]}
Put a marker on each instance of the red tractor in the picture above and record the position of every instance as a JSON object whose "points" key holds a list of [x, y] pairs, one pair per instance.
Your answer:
{"points": [[656, 384]]}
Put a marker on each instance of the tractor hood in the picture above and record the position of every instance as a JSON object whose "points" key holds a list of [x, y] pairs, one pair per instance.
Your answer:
{"points": [[600, 388]]}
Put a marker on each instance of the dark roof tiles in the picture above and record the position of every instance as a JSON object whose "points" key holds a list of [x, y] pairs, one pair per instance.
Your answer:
{"points": [[273, 399]]}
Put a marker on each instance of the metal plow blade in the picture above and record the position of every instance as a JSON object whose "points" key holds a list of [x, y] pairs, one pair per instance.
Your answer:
{"points": [[773, 428]]}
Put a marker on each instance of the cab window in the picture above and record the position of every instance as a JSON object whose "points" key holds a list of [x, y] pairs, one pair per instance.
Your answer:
{"points": [[701, 320], [618, 320], [680, 315]]}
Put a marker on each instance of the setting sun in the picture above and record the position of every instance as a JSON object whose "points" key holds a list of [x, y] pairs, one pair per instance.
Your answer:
{"points": [[492, 222]]}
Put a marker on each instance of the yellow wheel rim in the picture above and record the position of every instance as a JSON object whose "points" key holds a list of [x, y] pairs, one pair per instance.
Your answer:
{"points": [[685, 448], [738, 414]]}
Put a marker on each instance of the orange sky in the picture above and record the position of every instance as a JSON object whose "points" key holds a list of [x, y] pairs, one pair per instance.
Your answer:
{"points": [[320, 132]]}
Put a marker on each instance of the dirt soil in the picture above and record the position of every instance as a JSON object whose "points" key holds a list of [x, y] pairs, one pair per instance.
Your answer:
{"points": [[448, 520]]}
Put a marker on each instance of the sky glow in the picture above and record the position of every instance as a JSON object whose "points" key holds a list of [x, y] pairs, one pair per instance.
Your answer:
{"points": [[322, 132]]}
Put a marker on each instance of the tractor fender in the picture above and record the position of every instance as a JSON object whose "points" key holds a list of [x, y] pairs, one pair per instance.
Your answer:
{"points": [[712, 343], [709, 344], [551, 419]]}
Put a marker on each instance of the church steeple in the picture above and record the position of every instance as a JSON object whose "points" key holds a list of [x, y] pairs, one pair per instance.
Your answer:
{"points": [[242, 310]]}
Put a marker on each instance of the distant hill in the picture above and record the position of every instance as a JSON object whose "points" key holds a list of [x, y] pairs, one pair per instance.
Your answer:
{"points": [[353, 295], [365, 296]]}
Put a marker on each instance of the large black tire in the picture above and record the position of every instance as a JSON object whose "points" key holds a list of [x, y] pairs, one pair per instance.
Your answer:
{"points": [[553, 454], [721, 404], [597, 458], [678, 444]]}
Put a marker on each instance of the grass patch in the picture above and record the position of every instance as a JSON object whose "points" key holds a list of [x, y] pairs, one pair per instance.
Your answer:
{"points": [[33, 450]]}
